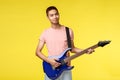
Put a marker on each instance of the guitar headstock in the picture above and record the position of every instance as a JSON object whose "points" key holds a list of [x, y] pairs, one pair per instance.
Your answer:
{"points": [[103, 43]]}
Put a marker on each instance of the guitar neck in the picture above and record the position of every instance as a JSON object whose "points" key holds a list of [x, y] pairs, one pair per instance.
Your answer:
{"points": [[80, 53]]}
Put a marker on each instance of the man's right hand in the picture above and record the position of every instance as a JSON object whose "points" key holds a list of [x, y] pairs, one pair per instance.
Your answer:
{"points": [[54, 63]]}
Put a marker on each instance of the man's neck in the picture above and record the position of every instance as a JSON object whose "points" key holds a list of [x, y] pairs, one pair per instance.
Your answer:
{"points": [[55, 26]]}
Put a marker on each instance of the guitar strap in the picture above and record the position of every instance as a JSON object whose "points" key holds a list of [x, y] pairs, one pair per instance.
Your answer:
{"points": [[68, 37]]}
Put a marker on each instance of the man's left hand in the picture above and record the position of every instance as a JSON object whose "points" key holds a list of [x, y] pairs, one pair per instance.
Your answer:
{"points": [[90, 51]]}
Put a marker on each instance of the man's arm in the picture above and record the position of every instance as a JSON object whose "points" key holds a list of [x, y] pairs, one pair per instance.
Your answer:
{"points": [[43, 57], [39, 51], [75, 49], [78, 50]]}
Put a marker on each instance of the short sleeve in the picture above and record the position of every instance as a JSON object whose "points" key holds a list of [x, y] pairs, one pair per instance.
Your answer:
{"points": [[42, 37]]}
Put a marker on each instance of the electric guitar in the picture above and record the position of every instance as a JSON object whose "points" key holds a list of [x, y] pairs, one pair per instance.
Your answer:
{"points": [[54, 73]]}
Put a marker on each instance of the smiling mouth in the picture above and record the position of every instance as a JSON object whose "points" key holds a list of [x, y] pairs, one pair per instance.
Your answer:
{"points": [[55, 20]]}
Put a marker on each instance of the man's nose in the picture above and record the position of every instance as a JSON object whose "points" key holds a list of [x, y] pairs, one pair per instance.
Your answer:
{"points": [[55, 16]]}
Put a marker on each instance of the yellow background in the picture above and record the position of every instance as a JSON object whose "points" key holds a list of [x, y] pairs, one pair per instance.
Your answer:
{"points": [[22, 22]]}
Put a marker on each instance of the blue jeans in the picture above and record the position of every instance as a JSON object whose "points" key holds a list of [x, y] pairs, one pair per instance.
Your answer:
{"points": [[66, 75]]}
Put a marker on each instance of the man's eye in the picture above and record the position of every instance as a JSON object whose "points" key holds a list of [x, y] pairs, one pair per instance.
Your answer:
{"points": [[51, 15], [56, 14]]}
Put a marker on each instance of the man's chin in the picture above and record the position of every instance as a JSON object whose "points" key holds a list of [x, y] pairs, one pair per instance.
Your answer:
{"points": [[55, 23]]}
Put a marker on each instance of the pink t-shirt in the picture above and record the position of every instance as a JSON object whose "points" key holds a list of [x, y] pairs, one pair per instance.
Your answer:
{"points": [[56, 40]]}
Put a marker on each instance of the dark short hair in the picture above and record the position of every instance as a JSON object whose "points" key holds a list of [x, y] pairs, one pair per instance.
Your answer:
{"points": [[51, 8]]}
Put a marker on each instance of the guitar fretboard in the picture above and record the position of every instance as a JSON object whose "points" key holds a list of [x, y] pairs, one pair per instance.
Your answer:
{"points": [[81, 53]]}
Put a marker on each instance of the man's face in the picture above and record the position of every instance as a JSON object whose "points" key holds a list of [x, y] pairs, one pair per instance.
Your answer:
{"points": [[53, 16]]}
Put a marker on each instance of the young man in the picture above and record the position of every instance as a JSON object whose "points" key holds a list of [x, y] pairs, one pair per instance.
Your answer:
{"points": [[56, 42]]}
